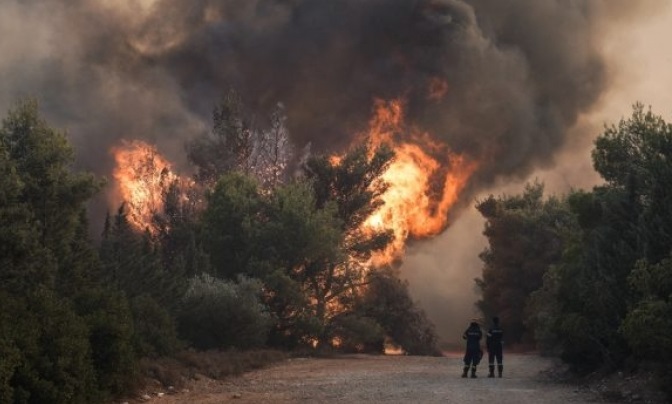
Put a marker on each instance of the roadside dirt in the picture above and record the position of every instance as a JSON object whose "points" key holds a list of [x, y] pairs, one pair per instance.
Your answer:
{"points": [[387, 379]]}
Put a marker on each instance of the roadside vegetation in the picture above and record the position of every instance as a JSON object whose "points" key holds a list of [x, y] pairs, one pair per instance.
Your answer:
{"points": [[256, 259], [587, 276], [262, 256]]}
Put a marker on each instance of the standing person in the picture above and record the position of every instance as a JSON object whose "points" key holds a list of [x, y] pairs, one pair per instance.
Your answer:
{"points": [[493, 342], [473, 355]]}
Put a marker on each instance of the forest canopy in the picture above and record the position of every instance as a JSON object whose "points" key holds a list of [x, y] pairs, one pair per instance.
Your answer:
{"points": [[249, 255], [587, 275]]}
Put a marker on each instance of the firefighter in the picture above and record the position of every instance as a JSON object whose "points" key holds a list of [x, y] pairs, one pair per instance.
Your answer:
{"points": [[473, 354], [493, 342]]}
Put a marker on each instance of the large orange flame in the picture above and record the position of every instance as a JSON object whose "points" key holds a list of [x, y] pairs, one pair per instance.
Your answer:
{"points": [[425, 180], [142, 176]]}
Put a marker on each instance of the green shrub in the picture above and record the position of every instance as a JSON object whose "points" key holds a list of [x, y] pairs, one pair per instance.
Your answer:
{"points": [[155, 329], [223, 314], [49, 352], [218, 364], [648, 324], [11, 330], [108, 317]]}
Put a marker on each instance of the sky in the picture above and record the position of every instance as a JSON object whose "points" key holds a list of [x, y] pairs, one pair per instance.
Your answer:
{"points": [[441, 272]]}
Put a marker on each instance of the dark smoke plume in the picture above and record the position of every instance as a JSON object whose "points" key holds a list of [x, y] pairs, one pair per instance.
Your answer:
{"points": [[518, 72]]}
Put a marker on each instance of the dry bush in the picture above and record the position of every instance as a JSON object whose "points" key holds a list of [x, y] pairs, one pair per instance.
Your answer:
{"points": [[220, 364], [186, 365], [166, 371]]}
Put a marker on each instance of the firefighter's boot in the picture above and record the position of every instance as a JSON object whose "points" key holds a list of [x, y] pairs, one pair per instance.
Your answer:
{"points": [[464, 371], [500, 368], [473, 372], [491, 371]]}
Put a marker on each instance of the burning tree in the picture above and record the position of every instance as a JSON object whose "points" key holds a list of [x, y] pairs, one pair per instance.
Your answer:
{"points": [[142, 176], [312, 241], [275, 237], [423, 181], [354, 186], [304, 240]]}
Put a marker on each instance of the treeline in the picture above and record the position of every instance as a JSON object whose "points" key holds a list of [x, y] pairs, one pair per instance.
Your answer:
{"points": [[252, 254], [588, 275]]}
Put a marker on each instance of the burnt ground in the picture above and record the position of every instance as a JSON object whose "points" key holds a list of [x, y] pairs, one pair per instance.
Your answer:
{"points": [[527, 378]]}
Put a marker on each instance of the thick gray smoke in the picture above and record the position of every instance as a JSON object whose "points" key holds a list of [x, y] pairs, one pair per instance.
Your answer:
{"points": [[518, 73]]}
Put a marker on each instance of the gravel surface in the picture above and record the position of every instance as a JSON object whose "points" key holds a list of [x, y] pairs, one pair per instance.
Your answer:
{"points": [[385, 379]]}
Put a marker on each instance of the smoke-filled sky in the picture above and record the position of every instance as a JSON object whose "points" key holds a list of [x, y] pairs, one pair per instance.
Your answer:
{"points": [[522, 77], [518, 73], [638, 57]]}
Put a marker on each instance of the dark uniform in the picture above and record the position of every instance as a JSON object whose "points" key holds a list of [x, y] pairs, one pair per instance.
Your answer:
{"points": [[493, 341], [473, 355]]}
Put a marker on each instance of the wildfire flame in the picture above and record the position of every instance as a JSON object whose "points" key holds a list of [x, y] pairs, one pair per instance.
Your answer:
{"points": [[142, 175], [425, 180]]}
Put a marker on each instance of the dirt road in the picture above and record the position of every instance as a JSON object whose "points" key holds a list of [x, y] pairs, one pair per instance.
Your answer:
{"points": [[385, 379]]}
